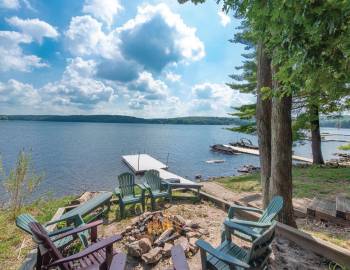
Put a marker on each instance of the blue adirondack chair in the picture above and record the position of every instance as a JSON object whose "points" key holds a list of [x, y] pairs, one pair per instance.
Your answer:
{"points": [[126, 192], [156, 187], [254, 228], [229, 256]]}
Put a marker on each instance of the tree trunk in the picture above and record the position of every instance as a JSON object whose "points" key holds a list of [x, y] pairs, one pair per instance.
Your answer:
{"points": [[317, 157], [263, 121], [281, 153]]}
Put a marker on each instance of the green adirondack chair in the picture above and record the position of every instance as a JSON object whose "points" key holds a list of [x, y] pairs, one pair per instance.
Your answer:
{"points": [[126, 192], [23, 221], [229, 256], [73, 217], [156, 188], [255, 228]]}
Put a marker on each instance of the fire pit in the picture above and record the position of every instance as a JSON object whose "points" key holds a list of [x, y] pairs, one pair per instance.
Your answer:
{"points": [[151, 236]]}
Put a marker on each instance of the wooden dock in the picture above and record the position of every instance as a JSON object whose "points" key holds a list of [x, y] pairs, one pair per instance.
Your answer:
{"points": [[256, 153], [142, 163], [139, 164]]}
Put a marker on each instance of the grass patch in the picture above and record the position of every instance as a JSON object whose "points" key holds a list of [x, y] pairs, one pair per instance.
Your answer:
{"points": [[324, 182], [11, 237]]}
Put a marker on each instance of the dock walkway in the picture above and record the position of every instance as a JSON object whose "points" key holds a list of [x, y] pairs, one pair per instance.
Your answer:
{"points": [[256, 153]]}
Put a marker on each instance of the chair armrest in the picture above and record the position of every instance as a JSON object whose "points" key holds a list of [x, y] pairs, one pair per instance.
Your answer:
{"points": [[234, 207], [59, 231], [117, 191], [61, 220], [142, 186], [222, 257], [251, 223], [118, 262], [91, 249], [80, 229], [231, 226]]}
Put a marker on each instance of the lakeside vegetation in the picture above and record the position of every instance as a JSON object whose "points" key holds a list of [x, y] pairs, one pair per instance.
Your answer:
{"points": [[342, 122], [308, 182]]}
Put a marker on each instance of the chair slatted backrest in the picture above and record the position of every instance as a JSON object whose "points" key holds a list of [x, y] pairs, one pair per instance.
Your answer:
{"points": [[23, 220], [272, 210], [45, 244], [260, 248], [153, 180], [126, 182]]}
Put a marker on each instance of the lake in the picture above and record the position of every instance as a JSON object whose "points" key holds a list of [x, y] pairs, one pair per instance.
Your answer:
{"points": [[87, 156]]}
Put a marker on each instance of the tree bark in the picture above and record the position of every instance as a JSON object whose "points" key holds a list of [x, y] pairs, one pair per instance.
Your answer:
{"points": [[281, 153], [317, 157], [263, 120]]}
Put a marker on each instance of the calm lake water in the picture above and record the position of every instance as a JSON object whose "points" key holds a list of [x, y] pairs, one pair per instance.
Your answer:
{"points": [[87, 156]]}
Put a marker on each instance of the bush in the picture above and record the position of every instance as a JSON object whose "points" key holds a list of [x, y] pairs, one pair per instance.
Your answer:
{"points": [[20, 182]]}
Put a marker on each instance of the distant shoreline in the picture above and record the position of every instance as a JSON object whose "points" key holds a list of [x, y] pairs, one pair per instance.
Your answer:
{"points": [[191, 120], [343, 122]]}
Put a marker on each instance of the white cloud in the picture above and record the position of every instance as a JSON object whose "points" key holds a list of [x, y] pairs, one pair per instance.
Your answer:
{"points": [[34, 28], [216, 99], [10, 4], [85, 37], [78, 88], [173, 77], [104, 10], [224, 18], [12, 56], [16, 93], [172, 37]]}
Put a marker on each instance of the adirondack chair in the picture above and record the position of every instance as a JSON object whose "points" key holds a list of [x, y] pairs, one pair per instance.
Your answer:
{"points": [[72, 219], [23, 220], [156, 188], [126, 192], [179, 258], [99, 255], [229, 256], [254, 228]]}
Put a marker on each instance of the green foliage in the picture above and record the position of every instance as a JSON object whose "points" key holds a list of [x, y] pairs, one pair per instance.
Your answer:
{"points": [[21, 182], [345, 147]]}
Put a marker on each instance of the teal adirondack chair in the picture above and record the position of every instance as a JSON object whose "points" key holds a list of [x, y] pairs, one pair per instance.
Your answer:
{"points": [[255, 228], [229, 256], [156, 188], [23, 221], [126, 192]]}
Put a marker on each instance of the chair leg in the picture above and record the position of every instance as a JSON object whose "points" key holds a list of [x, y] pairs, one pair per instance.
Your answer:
{"points": [[121, 209], [153, 203], [143, 205], [203, 259]]}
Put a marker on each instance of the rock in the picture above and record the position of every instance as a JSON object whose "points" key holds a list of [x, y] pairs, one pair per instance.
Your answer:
{"points": [[145, 245], [204, 231], [192, 224], [183, 242], [152, 256], [193, 246], [167, 250], [131, 239], [193, 234], [134, 249], [128, 229], [179, 219]]}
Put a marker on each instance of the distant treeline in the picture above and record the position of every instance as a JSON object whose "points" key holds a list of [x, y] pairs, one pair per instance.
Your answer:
{"points": [[193, 120], [341, 122]]}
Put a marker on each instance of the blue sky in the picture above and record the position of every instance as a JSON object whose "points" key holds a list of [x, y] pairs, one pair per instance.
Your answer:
{"points": [[144, 58]]}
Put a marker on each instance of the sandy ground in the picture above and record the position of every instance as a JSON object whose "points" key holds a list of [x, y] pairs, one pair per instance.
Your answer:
{"points": [[285, 255]]}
